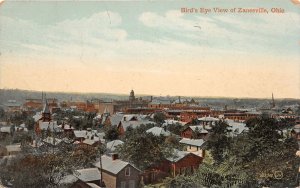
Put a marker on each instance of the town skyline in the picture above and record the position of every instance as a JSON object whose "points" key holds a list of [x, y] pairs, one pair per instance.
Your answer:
{"points": [[125, 95]]}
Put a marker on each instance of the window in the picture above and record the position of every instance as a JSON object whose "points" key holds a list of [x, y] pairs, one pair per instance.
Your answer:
{"points": [[123, 184], [131, 184], [127, 171]]}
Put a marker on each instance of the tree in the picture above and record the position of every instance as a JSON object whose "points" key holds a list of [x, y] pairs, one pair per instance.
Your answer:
{"points": [[173, 142], [33, 168], [111, 133], [219, 141], [175, 128], [159, 118], [143, 149], [2, 113]]}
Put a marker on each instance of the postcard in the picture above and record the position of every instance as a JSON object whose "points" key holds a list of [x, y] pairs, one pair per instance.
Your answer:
{"points": [[136, 93]]}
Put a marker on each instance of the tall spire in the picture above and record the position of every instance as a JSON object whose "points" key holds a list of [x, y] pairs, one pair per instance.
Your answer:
{"points": [[46, 109], [273, 101]]}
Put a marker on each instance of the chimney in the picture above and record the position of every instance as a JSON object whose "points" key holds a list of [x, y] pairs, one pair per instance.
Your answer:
{"points": [[151, 98], [114, 156]]}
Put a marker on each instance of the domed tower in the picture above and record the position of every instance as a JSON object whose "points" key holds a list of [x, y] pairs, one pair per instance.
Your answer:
{"points": [[131, 96]]}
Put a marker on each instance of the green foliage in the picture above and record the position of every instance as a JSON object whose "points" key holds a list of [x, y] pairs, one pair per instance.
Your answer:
{"points": [[143, 149], [173, 142], [35, 169], [260, 157], [2, 113], [111, 133], [219, 141], [175, 128], [159, 118]]}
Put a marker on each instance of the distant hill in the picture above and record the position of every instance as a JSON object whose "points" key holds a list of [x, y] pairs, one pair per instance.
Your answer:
{"points": [[21, 95]]}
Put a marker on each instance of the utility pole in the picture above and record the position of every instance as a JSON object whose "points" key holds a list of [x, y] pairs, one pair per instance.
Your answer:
{"points": [[100, 161]]}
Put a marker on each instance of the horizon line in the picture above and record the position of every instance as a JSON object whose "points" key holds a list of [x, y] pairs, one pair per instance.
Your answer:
{"points": [[153, 95]]}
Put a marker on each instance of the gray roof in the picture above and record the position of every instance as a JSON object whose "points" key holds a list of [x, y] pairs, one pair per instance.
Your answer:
{"points": [[8, 129], [208, 119], [160, 101], [52, 140], [13, 148], [192, 142], [116, 118], [157, 131], [112, 166], [37, 116], [88, 174], [112, 145], [135, 124], [236, 127], [297, 128], [178, 155], [52, 125], [46, 108]]}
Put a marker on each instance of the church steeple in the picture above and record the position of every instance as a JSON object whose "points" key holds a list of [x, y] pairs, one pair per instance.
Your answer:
{"points": [[46, 115], [273, 101]]}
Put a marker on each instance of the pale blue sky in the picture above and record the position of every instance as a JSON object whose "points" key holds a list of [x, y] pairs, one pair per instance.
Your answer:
{"points": [[129, 36]]}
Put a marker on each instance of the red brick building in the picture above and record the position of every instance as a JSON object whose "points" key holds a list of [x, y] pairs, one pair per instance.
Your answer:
{"points": [[183, 163]]}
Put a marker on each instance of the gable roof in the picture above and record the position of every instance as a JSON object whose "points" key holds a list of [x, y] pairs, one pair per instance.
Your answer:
{"points": [[236, 127], [157, 131], [115, 119], [134, 124], [192, 142], [88, 174], [52, 125], [52, 140], [112, 166], [178, 155]]}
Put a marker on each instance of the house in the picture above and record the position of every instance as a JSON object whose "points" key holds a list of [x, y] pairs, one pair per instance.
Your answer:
{"points": [[88, 137], [32, 105], [118, 173], [157, 131], [10, 130], [236, 127], [52, 141], [172, 122], [182, 163], [194, 145], [67, 129], [13, 149], [133, 121], [296, 132], [89, 175], [112, 120], [208, 120], [191, 131]]}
